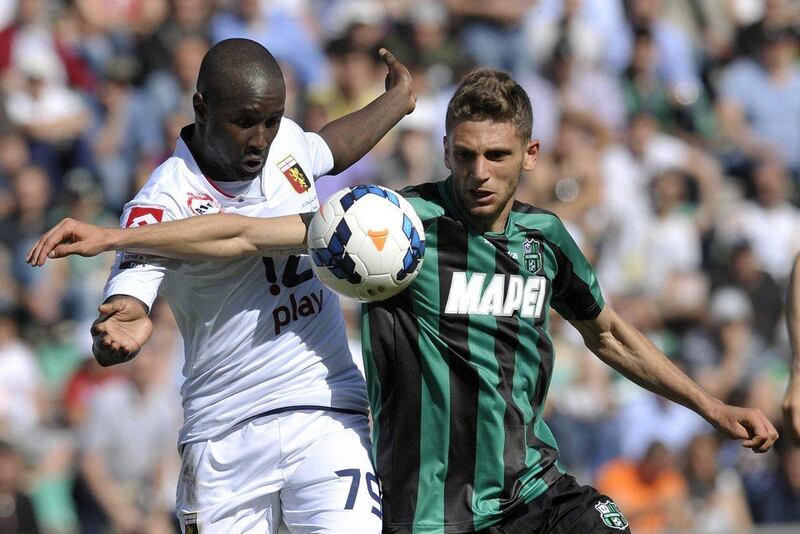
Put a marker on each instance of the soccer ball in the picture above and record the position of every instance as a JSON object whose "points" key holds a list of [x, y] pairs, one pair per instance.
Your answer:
{"points": [[366, 243]]}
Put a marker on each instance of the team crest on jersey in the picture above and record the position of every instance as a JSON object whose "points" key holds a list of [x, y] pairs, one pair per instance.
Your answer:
{"points": [[190, 523], [142, 215], [202, 204], [532, 255], [611, 515], [294, 173]]}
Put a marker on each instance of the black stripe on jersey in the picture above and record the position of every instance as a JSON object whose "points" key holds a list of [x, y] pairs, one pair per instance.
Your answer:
{"points": [[394, 331], [521, 207], [460, 479], [428, 191], [545, 349], [505, 350]]}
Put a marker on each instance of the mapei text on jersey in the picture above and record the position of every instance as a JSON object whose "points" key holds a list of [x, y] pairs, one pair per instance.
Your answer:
{"points": [[499, 298]]}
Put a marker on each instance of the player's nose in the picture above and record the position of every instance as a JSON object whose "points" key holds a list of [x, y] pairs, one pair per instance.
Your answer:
{"points": [[259, 140], [480, 169]]}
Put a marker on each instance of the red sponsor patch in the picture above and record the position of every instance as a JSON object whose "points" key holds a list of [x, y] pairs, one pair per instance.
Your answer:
{"points": [[140, 216], [294, 173], [201, 204]]}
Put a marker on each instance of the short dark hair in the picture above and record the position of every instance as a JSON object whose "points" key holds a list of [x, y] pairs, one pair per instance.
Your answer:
{"points": [[493, 95]]}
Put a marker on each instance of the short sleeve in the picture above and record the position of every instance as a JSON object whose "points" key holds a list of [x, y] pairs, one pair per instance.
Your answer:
{"points": [[576, 291], [139, 275], [321, 155]]}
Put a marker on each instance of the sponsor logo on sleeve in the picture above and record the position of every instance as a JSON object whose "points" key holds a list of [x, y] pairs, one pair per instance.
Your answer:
{"points": [[294, 173], [190, 523], [142, 215], [130, 260], [202, 204]]}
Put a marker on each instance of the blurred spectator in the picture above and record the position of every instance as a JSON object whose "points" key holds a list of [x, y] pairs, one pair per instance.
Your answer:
{"points": [[645, 418], [765, 295], [53, 117], [646, 92], [31, 37], [21, 400], [127, 130], [189, 18], [756, 17], [580, 401], [126, 445], [676, 63], [491, 32], [718, 504], [778, 500], [650, 492], [759, 105], [725, 356], [568, 181], [172, 89], [594, 29], [769, 222], [585, 88], [280, 32], [415, 155], [16, 508]]}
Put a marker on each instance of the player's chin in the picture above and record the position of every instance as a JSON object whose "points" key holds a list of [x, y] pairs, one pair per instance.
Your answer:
{"points": [[249, 171]]}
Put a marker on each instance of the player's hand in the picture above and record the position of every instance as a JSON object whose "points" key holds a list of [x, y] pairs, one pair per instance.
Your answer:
{"points": [[121, 330], [791, 411], [398, 77], [71, 237], [746, 424]]}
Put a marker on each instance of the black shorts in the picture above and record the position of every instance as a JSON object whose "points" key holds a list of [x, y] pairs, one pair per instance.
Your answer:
{"points": [[565, 508]]}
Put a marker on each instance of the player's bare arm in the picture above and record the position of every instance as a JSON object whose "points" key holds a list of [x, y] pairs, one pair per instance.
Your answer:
{"points": [[791, 401], [211, 236], [627, 350], [353, 135]]}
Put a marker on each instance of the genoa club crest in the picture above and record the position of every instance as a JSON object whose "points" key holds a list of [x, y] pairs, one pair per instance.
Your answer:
{"points": [[294, 173]]}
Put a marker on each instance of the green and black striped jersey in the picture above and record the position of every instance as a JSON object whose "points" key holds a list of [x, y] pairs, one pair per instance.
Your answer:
{"points": [[458, 366]]}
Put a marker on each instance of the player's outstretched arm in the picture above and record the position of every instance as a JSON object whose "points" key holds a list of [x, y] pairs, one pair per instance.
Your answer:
{"points": [[209, 236], [791, 401], [627, 350], [353, 135]]}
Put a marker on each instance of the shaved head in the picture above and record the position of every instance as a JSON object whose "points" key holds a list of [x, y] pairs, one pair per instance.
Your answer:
{"points": [[238, 109], [236, 65]]}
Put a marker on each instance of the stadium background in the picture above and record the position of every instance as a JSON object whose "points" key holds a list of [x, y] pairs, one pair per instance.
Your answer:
{"points": [[670, 147]]}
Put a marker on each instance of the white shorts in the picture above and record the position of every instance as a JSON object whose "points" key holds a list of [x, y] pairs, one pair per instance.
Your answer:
{"points": [[314, 468]]}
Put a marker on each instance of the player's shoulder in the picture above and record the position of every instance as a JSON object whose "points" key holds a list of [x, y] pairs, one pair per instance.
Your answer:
{"points": [[290, 134], [164, 186], [527, 217], [426, 199]]}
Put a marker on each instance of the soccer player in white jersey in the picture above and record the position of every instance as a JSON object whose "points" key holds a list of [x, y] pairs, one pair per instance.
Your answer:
{"points": [[275, 411]]}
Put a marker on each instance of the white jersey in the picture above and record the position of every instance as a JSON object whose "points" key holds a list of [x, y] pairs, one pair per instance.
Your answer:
{"points": [[260, 334]]}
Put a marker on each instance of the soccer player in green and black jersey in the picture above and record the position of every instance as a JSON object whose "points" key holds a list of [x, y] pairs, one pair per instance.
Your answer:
{"points": [[458, 365]]}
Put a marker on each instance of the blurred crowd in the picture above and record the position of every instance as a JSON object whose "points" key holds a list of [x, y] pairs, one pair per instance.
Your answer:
{"points": [[670, 135]]}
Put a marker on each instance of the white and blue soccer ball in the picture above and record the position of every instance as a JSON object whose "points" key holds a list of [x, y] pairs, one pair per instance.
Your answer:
{"points": [[366, 243]]}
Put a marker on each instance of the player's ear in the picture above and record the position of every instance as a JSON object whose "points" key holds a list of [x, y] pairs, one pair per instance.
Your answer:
{"points": [[446, 153], [200, 110], [531, 155]]}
